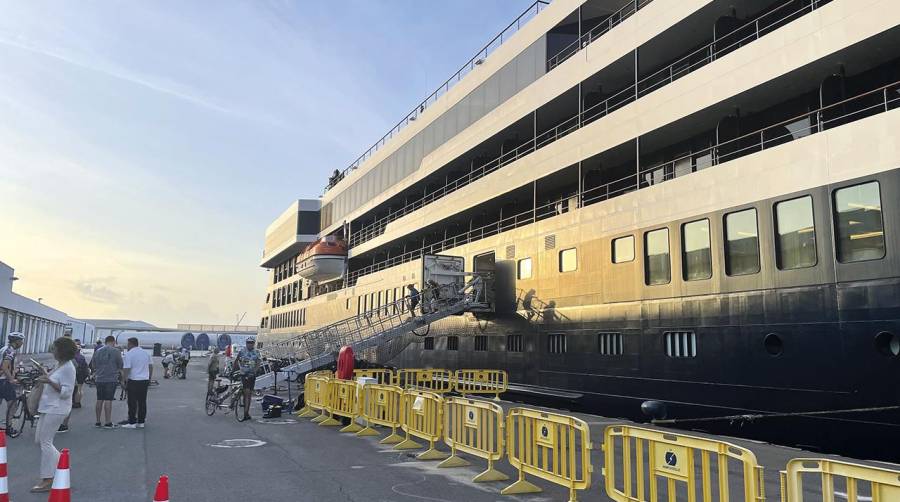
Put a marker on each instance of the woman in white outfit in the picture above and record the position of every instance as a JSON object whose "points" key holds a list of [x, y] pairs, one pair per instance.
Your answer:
{"points": [[55, 405]]}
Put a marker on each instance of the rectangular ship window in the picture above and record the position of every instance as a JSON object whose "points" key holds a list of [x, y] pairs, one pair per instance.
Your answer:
{"points": [[680, 344], [623, 249], [452, 343], [524, 269], [610, 344], [696, 254], [795, 237], [514, 343], [481, 343], [741, 243], [568, 260], [556, 343], [858, 226], [657, 265], [429, 343]]}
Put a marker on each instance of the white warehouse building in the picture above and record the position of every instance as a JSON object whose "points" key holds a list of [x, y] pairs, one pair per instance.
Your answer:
{"points": [[39, 323]]}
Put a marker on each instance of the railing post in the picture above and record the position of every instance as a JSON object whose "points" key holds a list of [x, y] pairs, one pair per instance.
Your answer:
{"points": [[885, 99]]}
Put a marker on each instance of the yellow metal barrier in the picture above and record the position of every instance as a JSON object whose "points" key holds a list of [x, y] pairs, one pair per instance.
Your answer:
{"points": [[648, 456], [319, 400], [344, 403], [433, 380], [860, 482], [550, 446], [381, 405], [422, 416], [306, 410], [476, 428], [493, 382], [383, 376]]}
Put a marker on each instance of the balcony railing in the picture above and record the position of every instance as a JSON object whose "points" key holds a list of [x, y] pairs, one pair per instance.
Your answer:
{"points": [[858, 107], [701, 57], [596, 32], [476, 60]]}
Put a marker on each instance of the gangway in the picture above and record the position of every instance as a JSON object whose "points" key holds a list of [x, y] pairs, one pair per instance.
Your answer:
{"points": [[376, 327]]}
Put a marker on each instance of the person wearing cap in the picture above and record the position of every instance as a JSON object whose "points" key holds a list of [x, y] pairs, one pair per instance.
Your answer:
{"points": [[8, 380], [248, 360]]}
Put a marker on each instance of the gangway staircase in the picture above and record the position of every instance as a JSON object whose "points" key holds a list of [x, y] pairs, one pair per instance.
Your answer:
{"points": [[374, 328]]}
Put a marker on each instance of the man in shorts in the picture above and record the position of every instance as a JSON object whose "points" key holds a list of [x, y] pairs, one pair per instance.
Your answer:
{"points": [[8, 380], [107, 366], [248, 360], [213, 369]]}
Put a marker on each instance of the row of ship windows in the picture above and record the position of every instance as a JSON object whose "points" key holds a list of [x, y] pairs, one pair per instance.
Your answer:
{"points": [[290, 319], [858, 230], [678, 344]]}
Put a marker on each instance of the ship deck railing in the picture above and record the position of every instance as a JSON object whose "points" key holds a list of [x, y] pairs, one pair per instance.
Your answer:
{"points": [[696, 59], [866, 104]]}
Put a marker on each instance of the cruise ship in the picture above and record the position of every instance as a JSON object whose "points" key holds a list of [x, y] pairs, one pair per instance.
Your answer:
{"points": [[683, 208]]}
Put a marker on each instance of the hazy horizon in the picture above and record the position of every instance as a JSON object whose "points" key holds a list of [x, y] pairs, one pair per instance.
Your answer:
{"points": [[145, 146]]}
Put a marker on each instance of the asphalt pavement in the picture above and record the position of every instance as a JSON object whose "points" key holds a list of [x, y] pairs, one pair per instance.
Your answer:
{"points": [[219, 459]]}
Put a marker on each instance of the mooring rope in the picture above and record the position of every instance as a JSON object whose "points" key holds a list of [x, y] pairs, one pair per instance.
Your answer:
{"points": [[755, 416]]}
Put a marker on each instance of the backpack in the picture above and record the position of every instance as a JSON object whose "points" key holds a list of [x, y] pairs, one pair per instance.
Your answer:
{"points": [[81, 369]]}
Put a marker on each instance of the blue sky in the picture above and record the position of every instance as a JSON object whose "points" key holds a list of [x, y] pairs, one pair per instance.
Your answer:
{"points": [[145, 146]]}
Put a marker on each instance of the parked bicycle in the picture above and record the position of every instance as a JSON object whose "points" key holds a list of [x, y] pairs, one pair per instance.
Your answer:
{"points": [[226, 395], [17, 414]]}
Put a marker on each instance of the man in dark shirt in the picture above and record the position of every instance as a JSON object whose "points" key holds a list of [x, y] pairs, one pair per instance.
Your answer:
{"points": [[107, 365], [413, 299]]}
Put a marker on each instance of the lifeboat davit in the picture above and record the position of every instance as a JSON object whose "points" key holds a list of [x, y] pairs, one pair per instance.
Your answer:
{"points": [[323, 260]]}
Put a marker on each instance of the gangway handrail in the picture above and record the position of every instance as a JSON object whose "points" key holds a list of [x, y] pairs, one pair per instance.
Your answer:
{"points": [[371, 328]]}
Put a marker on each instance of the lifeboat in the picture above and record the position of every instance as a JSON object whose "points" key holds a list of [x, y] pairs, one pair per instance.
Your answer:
{"points": [[323, 260]]}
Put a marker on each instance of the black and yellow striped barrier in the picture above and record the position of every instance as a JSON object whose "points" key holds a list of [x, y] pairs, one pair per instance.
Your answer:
{"points": [[476, 428], [637, 460], [381, 405], [422, 416], [554, 447], [468, 382], [857, 482]]}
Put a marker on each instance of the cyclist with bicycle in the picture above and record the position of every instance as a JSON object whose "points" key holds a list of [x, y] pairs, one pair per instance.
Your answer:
{"points": [[8, 380], [248, 360]]}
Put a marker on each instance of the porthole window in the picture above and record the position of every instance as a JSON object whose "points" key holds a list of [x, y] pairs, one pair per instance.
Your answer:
{"points": [[774, 345], [888, 344]]}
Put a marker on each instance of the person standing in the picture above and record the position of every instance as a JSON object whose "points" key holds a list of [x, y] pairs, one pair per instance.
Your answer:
{"points": [[54, 406], [413, 299], [8, 380], [213, 369], [248, 360], [107, 365], [138, 372]]}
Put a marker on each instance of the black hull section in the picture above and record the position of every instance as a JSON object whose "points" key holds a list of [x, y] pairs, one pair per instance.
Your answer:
{"points": [[828, 360]]}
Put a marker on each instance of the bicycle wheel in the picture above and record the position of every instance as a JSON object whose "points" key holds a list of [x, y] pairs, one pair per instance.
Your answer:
{"points": [[15, 418], [237, 405], [212, 403]]}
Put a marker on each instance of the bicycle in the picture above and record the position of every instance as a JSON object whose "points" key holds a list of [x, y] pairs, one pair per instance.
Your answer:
{"points": [[231, 392], [17, 413], [178, 370]]}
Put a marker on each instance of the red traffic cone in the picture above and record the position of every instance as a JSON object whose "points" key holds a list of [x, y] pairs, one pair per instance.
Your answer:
{"points": [[4, 486], [61, 491], [162, 490]]}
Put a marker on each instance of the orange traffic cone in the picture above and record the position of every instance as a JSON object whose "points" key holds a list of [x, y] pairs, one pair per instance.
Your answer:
{"points": [[162, 490], [4, 486], [61, 491]]}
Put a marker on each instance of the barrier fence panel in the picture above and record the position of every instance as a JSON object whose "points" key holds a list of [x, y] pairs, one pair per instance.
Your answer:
{"points": [[493, 382], [832, 480], [645, 465], [381, 406], [383, 376], [345, 402], [422, 416], [319, 396], [432, 380], [477, 428], [550, 446], [306, 410]]}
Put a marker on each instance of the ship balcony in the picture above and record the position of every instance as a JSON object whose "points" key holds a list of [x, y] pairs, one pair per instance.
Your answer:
{"points": [[654, 66], [712, 138]]}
